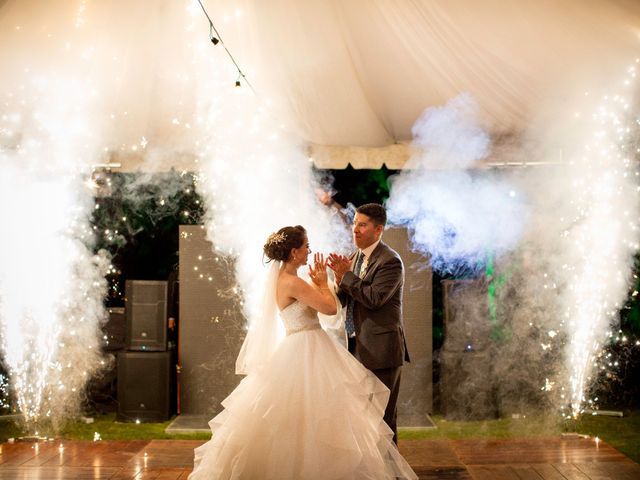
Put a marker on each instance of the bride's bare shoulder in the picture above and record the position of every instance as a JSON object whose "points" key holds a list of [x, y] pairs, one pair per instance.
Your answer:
{"points": [[289, 282], [287, 290]]}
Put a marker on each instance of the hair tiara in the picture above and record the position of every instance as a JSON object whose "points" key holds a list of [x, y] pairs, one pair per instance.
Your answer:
{"points": [[276, 239]]}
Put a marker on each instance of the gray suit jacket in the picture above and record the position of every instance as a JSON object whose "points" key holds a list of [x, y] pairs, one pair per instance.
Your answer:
{"points": [[377, 314]]}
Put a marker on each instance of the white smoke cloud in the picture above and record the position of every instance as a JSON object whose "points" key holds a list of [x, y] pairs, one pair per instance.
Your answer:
{"points": [[51, 284], [450, 136], [256, 178], [585, 230], [456, 217], [564, 235], [74, 93], [84, 83]]}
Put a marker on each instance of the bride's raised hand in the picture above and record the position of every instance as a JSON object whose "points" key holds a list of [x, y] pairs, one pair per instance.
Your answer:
{"points": [[318, 272]]}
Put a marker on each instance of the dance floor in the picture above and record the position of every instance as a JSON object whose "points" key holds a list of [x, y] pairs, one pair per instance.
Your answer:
{"points": [[549, 459]]}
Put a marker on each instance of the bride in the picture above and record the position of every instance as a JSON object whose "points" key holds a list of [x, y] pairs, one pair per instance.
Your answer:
{"points": [[307, 409]]}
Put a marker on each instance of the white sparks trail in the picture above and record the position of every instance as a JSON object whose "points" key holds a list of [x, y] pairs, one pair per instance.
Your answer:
{"points": [[74, 94], [51, 285], [570, 229], [255, 177], [603, 233], [85, 82]]}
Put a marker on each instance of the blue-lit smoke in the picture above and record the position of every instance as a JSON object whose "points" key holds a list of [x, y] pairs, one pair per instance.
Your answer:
{"points": [[457, 217]]}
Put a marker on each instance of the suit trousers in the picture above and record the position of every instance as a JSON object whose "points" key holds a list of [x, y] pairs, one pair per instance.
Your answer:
{"points": [[391, 378]]}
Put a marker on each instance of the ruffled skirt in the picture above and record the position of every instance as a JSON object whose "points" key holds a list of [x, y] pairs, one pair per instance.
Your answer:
{"points": [[313, 412]]}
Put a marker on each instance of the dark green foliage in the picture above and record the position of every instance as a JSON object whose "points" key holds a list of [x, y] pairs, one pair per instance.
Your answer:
{"points": [[138, 224], [361, 186]]}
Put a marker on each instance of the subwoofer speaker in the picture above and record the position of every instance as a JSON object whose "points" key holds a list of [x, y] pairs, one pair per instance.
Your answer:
{"points": [[466, 386], [146, 312], [146, 386]]}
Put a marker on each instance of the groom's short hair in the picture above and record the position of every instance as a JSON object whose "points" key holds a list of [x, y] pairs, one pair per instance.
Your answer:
{"points": [[375, 212]]}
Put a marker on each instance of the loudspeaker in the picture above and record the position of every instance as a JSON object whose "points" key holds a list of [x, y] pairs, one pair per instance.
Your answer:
{"points": [[467, 326], [146, 386], [114, 332], [211, 328], [466, 380], [146, 313], [466, 386], [415, 400]]}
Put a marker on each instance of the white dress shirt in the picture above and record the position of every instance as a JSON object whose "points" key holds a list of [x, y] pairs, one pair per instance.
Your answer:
{"points": [[367, 253]]}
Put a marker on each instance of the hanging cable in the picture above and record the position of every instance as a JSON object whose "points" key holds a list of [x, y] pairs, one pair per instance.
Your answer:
{"points": [[216, 38]]}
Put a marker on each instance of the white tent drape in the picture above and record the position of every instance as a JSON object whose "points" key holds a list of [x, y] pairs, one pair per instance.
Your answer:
{"points": [[360, 72], [354, 73]]}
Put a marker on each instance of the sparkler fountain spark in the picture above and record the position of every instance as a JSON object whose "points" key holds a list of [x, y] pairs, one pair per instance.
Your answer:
{"points": [[603, 235], [254, 176], [51, 284], [75, 94], [71, 97], [574, 238]]}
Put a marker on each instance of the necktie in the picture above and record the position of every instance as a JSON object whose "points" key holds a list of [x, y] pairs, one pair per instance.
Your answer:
{"points": [[348, 323]]}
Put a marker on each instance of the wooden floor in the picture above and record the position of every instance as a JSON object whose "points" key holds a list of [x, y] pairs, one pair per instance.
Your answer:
{"points": [[550, 459]]}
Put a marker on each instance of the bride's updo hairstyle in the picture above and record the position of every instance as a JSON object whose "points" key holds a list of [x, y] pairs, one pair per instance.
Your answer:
{"points": [[280, 243]]}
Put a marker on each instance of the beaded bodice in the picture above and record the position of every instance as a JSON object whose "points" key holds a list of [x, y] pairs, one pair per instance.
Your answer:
{"points": [[298, 317]]}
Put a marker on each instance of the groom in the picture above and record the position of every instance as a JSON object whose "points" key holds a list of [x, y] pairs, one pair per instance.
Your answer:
{"points": [[370, 285]]}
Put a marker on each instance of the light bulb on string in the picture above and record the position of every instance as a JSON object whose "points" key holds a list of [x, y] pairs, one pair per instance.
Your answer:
{"points": [[212, 37]]}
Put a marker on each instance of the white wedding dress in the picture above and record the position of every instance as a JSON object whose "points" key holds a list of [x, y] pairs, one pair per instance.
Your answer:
{"points": [[311, 412]]}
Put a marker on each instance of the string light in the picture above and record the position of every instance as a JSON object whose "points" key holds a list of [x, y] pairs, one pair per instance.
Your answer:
{"points": [[215, 38]]}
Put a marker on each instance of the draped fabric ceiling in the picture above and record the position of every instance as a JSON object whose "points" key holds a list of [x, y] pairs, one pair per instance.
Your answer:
{"points": [[354, 75], [358, 73]]}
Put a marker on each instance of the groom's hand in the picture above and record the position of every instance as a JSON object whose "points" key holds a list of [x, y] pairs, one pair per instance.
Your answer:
{"points": [[339, 264]]}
